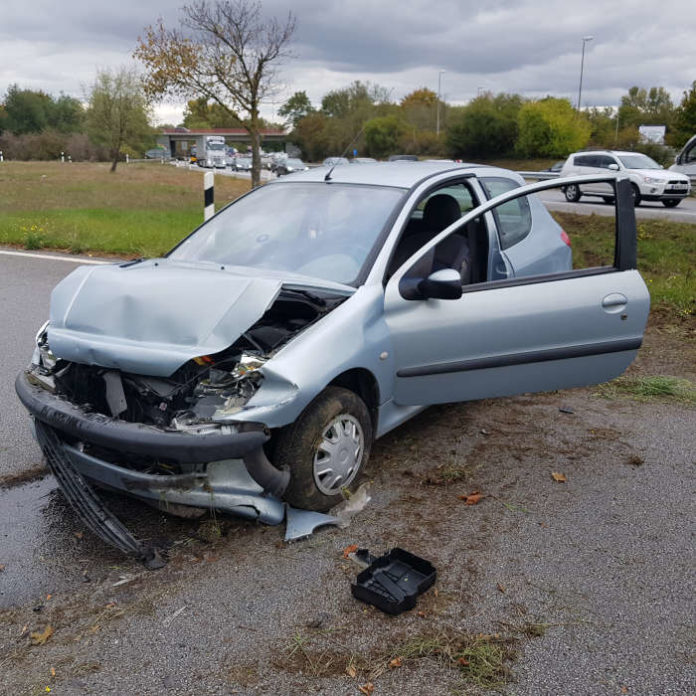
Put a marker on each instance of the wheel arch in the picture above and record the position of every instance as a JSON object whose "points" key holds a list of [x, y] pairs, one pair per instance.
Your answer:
{"points": [[363, 383]]}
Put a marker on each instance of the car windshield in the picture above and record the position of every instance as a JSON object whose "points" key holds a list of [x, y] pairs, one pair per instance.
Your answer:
{"points": [[216, 146], [315, 229], [295, 163], [639, 162]]}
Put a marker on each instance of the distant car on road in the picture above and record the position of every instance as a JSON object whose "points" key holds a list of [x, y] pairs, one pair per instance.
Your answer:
{"points": [[685, 161], [649, 180], [242, 164], [555, 168], [363, 160], [333, 161], [405, 158], [157, 153], [290, 165]]}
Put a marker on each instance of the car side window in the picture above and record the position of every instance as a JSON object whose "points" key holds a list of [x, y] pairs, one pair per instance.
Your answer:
{"points": [[583, 161], [514, 218]]}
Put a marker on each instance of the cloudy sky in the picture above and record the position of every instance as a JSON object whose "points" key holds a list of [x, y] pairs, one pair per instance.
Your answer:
{"points": [[527, 46]]}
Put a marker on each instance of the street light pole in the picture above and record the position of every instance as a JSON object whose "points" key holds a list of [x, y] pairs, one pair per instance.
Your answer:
{"points": [[439, 84], [585, 39]]}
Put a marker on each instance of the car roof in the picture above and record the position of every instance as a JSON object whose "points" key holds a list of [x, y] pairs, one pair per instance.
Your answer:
{"points": [[607, 152], [402, 174]]}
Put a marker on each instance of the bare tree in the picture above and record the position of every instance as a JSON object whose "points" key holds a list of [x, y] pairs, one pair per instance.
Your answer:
{"points": [[225, 51]]}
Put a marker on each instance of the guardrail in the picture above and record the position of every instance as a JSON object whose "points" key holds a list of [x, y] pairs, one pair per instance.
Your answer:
{"points": [[541, 176]]}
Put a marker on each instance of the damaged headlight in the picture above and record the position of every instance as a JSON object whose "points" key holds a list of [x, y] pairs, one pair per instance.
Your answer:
{"points": [[222, 391]]}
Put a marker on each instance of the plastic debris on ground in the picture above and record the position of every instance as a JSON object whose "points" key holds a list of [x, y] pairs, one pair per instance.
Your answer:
{"points": [[393, 582], [347, 509]]}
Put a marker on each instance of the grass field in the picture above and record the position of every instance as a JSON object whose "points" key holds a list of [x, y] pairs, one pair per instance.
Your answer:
{"points": [[144, 209], [141, 210]]}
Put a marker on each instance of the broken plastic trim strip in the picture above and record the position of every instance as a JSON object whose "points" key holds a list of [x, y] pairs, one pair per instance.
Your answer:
{"points": [[87, 504]]}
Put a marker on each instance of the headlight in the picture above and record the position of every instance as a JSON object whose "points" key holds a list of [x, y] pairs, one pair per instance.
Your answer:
{"points": [[42, 355], [653, 180]]}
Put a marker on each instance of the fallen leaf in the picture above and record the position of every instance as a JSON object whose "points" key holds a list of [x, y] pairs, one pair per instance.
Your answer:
{"points": [[53, 671], [39, 638], [422, 614], [436, 592], [110, 605], [2, 567], [48, 597], [558, 478], [624, 689], [501, 588], [351, 671], [349, 549], [463, 661], [79, 535], [396, 662], [472, 498], [367, 689]]}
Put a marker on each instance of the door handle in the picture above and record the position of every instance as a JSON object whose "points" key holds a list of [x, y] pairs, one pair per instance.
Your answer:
{"points": [[614, 303]]}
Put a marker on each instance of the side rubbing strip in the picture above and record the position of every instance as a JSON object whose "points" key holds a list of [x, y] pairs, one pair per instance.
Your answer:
{"points": [[532, 356]]}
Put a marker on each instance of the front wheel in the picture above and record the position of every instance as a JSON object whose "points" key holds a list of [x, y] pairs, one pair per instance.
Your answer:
{"points": [[671, 202], [636, 195], [572, 193], [326, 449]]}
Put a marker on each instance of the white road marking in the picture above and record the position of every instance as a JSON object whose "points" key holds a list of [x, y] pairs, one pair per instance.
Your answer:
{"points": [[77, 259]]}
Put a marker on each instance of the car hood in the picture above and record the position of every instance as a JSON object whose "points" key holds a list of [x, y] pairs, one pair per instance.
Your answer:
{"points": [[153, 316], [661, 174]]}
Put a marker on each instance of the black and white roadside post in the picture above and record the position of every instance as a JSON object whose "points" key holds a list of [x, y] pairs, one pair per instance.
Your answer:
{"points": [[208, 195], [62, 157], [1, 157]]}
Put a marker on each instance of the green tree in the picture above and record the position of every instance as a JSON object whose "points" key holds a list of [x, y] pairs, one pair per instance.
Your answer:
{"points": [[487, 127], [67, 115], [603, 126], [226, 52], [383, 135], [550, 128], [357, 97], [295, 108], [311, 136], [117, 116], [27, 111], [200, 113], [684, 118], [641, 106]]}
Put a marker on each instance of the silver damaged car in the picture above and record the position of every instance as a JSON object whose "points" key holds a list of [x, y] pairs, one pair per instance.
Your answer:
{"points": [[260, 359]]}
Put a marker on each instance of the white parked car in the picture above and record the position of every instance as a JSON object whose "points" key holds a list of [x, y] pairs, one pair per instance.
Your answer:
{"points": [[649, 180]]}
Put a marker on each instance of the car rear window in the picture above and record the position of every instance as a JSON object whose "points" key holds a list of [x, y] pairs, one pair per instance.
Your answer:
{"points": [[513, 219]]}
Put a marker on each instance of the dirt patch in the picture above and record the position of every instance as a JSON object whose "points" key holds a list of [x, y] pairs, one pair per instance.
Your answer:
{"points": [[34, 473]]}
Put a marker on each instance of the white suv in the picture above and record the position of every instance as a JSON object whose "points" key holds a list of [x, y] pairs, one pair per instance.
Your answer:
{"points": [[649, 180]]}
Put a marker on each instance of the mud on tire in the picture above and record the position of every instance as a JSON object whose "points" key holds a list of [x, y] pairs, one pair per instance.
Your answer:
{"points": [[298, 446]]}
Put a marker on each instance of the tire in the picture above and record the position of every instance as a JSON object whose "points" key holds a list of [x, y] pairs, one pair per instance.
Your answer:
{"points": [[637, 198], [609, 200], [671, 202], [337, 416], [572, 193]]}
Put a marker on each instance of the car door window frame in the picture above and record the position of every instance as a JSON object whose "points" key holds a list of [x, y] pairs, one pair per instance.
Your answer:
{"points": [[625, 242], [504, 245], [477, 194]]}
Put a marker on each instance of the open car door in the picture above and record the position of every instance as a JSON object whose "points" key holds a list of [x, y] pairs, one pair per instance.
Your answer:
{"points": [[455, 342]]}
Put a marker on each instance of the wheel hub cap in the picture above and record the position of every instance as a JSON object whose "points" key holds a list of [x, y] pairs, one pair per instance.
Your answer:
{"points": [[338, 456]]}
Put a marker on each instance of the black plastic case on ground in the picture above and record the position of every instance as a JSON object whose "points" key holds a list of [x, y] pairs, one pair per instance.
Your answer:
{"points": [[393, 582]]}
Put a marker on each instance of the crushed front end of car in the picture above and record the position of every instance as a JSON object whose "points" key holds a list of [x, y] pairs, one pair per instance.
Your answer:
{"points": [[140, 397]]}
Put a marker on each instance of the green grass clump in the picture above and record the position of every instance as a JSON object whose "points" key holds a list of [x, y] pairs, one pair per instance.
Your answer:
{"points": [[648, 388]]}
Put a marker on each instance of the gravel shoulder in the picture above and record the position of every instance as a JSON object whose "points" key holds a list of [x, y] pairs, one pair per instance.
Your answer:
{"points": [[588, 584]]}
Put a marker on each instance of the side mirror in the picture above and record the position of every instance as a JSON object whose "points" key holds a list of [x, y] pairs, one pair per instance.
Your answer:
{"points": [[614, 167], [445, 284]]}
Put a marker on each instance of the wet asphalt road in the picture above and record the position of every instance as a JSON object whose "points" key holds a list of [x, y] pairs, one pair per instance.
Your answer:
{"points": [[605, 563]]}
